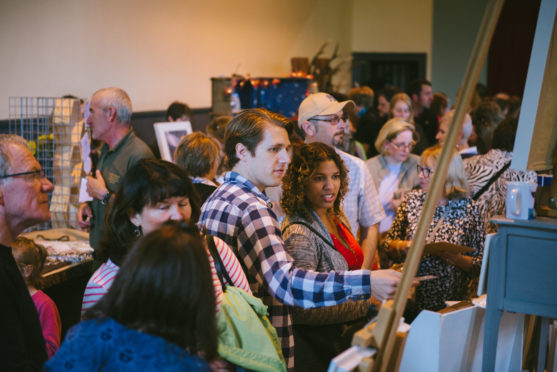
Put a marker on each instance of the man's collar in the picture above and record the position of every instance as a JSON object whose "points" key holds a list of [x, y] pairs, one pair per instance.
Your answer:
{"points": [[236, 178], [122, 141]]}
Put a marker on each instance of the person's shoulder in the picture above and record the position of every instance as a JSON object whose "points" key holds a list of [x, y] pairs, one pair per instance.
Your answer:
{"points": [[91, 327], [295, 226], [294, 222], [105, 273], [136, 147], [415, 195], [228, 195], [413, 159], [350, 159], [373, 162], [42, 298], [230, 204]]}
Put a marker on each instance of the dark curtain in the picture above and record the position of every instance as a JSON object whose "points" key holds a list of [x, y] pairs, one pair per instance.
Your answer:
{"points": [[511, 46]]}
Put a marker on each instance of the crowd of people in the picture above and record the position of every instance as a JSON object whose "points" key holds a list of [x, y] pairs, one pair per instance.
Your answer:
{"points": [[310, 236]]}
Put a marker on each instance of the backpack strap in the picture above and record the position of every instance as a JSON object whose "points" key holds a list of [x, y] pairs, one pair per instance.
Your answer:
{"points": [[490, 182], [224, 278]]}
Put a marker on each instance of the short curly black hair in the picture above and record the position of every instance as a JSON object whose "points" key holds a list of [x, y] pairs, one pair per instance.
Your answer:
{"points": [[305, 161]]}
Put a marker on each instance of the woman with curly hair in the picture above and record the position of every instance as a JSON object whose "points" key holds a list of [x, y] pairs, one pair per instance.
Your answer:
{"points": [[317, 235]]}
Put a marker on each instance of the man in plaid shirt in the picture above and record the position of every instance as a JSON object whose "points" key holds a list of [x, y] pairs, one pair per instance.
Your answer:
{"points": [[238, 212]]}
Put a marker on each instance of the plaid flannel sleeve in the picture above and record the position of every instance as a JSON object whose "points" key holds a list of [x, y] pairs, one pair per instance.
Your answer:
{"points": [[263, 248]]}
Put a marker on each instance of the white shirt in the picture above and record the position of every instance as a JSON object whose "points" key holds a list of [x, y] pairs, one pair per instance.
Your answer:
{"points": [[388, 186], [361, 203]]}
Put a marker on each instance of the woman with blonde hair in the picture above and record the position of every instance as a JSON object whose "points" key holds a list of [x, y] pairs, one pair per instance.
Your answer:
{"points": [[401, 108], [394, 169], [457, 220]]}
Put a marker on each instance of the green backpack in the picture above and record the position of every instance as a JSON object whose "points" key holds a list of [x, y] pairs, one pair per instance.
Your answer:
{"points": [[246, 336]]}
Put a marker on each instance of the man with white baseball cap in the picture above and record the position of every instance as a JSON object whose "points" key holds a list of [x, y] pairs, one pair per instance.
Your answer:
{"points": [[320, 119]]}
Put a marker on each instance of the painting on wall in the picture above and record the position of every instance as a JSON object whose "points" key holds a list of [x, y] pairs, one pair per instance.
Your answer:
{"points": [[169, 135]]}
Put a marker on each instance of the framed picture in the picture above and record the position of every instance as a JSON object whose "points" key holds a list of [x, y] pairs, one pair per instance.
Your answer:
{"points": [[169, 135]]}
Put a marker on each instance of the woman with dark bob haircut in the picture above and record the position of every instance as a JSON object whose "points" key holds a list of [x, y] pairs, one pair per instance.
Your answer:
{"points": [[317, 235], [156, 316], [151, 193]]}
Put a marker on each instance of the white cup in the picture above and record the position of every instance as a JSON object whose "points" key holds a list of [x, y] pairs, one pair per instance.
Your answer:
{"points": [[520, 202]]}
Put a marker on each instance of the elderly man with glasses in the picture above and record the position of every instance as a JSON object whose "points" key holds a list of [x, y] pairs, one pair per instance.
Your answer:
{"points": [[321, 119], [24, 193]]}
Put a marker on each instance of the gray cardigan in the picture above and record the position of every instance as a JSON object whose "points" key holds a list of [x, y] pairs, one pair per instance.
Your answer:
{"points": [[311, 252], [408, 178]]}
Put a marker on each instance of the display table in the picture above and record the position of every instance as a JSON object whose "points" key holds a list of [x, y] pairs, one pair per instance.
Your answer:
{"points": [[54, 274], [521, 278]]}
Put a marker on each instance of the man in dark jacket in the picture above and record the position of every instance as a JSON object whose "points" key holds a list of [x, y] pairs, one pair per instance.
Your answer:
{"points": [[24, 193]]}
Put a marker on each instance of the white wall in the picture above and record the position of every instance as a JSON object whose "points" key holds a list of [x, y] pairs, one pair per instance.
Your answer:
{"points": [[169, 49]]}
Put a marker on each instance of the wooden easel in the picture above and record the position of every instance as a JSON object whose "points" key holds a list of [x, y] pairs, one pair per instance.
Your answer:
{"points": [[382, 335]]}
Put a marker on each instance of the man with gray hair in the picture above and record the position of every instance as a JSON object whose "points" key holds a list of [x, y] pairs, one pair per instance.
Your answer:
{"points": [[109, 119], [462, 146], [24, 193]]}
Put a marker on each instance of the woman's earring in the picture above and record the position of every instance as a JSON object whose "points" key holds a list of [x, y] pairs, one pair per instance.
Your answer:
{"points": [[137, 230]]}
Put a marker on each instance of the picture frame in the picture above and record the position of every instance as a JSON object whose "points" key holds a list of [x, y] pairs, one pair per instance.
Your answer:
{"points": [[169, 135]]}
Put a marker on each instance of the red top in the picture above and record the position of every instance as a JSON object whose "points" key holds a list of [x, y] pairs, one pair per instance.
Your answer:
{"points": [[353, 254], [50, 321]]}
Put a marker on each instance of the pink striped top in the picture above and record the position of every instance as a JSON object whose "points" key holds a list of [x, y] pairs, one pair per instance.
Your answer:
{"points": [[232, 266], [99, 284], [102, 279]]}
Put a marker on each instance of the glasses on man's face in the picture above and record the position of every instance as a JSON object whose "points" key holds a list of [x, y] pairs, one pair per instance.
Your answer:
{"points": [[332, 120], [426, 171], [36, 174], [404, 146]]}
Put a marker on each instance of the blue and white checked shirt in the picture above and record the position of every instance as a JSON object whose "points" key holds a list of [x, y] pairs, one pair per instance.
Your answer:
{"points": [[240, 214]]}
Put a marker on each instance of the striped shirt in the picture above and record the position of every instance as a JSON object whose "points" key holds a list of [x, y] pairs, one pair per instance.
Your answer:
{"points": [[240, 214], [102, 279], [232, 267], [99, 284]]}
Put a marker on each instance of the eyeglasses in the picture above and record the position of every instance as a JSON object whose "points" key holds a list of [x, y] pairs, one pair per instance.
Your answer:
{"points": [[37, 173], [333, 120], [424, 170], [403, 146]]}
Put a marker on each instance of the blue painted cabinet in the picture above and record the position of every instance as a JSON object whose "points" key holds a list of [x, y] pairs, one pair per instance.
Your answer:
{"points": [[522, 277]]}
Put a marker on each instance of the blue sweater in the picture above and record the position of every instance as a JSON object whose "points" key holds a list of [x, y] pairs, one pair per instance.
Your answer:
{"points": [[108, 345]]}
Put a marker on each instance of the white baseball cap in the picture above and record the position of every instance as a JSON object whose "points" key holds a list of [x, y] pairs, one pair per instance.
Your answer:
{"points": [[320, 104]]}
